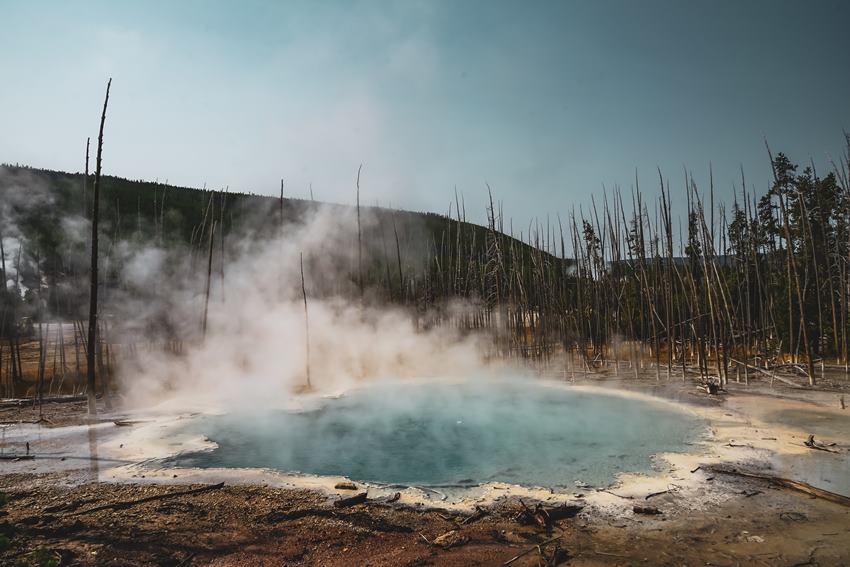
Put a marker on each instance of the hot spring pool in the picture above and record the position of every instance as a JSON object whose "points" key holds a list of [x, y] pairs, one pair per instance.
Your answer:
{"points": [[521, 432]]}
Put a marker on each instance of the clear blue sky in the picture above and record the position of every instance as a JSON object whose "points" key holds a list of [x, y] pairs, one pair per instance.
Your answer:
{"points": [[546, 101]]}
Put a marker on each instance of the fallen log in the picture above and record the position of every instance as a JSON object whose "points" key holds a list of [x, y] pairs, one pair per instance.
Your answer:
{"points": [[769, 374], [785, 483], [544, 517], [358, 518], [17, 457], [646, 510], [130, 503], [350, 501], [17, 402]]}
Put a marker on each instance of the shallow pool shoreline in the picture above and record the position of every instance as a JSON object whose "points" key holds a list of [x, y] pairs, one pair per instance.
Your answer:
{"points": [[739, 432]]}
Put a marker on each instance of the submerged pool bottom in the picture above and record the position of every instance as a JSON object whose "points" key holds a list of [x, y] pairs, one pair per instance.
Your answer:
{"points": [[521, 432]]}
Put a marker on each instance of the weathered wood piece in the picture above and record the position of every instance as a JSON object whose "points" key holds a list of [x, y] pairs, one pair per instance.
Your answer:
{"points": [[350, 501]]}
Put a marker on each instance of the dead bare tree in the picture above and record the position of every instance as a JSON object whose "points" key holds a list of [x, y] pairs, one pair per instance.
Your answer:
{"points": [[92, 340], [359, 238], [306, 323], [209, 280]]}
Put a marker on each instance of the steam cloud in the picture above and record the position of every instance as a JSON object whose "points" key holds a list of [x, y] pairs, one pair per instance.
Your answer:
{"points": [[254, 353], [254, 350]]}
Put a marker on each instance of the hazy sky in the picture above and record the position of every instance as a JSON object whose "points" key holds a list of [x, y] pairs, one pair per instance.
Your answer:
{"points": [[546, 101]]}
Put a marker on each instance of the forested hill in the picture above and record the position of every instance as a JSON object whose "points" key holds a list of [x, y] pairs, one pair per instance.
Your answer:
{"points": [[409, 257], [157, 210]]}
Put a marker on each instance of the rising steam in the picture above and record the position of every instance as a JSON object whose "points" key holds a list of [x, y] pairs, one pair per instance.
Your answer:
{"points": [[254, 353]]}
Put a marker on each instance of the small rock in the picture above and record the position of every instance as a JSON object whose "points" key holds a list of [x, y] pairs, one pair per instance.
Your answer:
{"points": [[451, 538]]}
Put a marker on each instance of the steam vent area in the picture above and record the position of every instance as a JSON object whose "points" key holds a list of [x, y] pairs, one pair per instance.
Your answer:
{"points": [[424, 283], [281, 381]]}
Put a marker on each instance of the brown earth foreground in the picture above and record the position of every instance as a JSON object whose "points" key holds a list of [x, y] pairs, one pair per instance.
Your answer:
{"points": [[59, 519]]}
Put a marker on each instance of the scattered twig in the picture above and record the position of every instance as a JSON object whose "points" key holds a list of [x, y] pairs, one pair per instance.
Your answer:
{"points": [[529, 550], [186, 560], [127, 504], [609, 554], [652, 495], [615, 494], [479, 513], [812, 444]]}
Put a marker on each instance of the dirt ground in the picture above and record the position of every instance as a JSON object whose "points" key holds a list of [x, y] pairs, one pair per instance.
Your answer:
{"points": [[61, 518], [45, 517]]}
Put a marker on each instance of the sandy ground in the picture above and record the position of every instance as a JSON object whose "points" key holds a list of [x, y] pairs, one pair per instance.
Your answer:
{"points": [[706, 518]]}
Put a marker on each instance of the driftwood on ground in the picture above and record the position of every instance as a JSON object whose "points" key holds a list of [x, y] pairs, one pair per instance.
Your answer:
{"points": [[654, 494], [771, 375], [812, 444], [784, 483], [127, 504], [18, 402], [545, 517], [351, 500]]}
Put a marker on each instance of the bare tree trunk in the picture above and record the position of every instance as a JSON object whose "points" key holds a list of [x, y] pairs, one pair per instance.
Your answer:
{"points": [[222, 201], [92, 340], [78, 374], [359, 239], [306, 323], [209, 280], [42, 362], [398, 260], [793, 266]]}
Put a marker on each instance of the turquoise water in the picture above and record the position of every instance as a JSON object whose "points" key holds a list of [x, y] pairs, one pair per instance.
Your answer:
{"points": [[520, 432]]}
